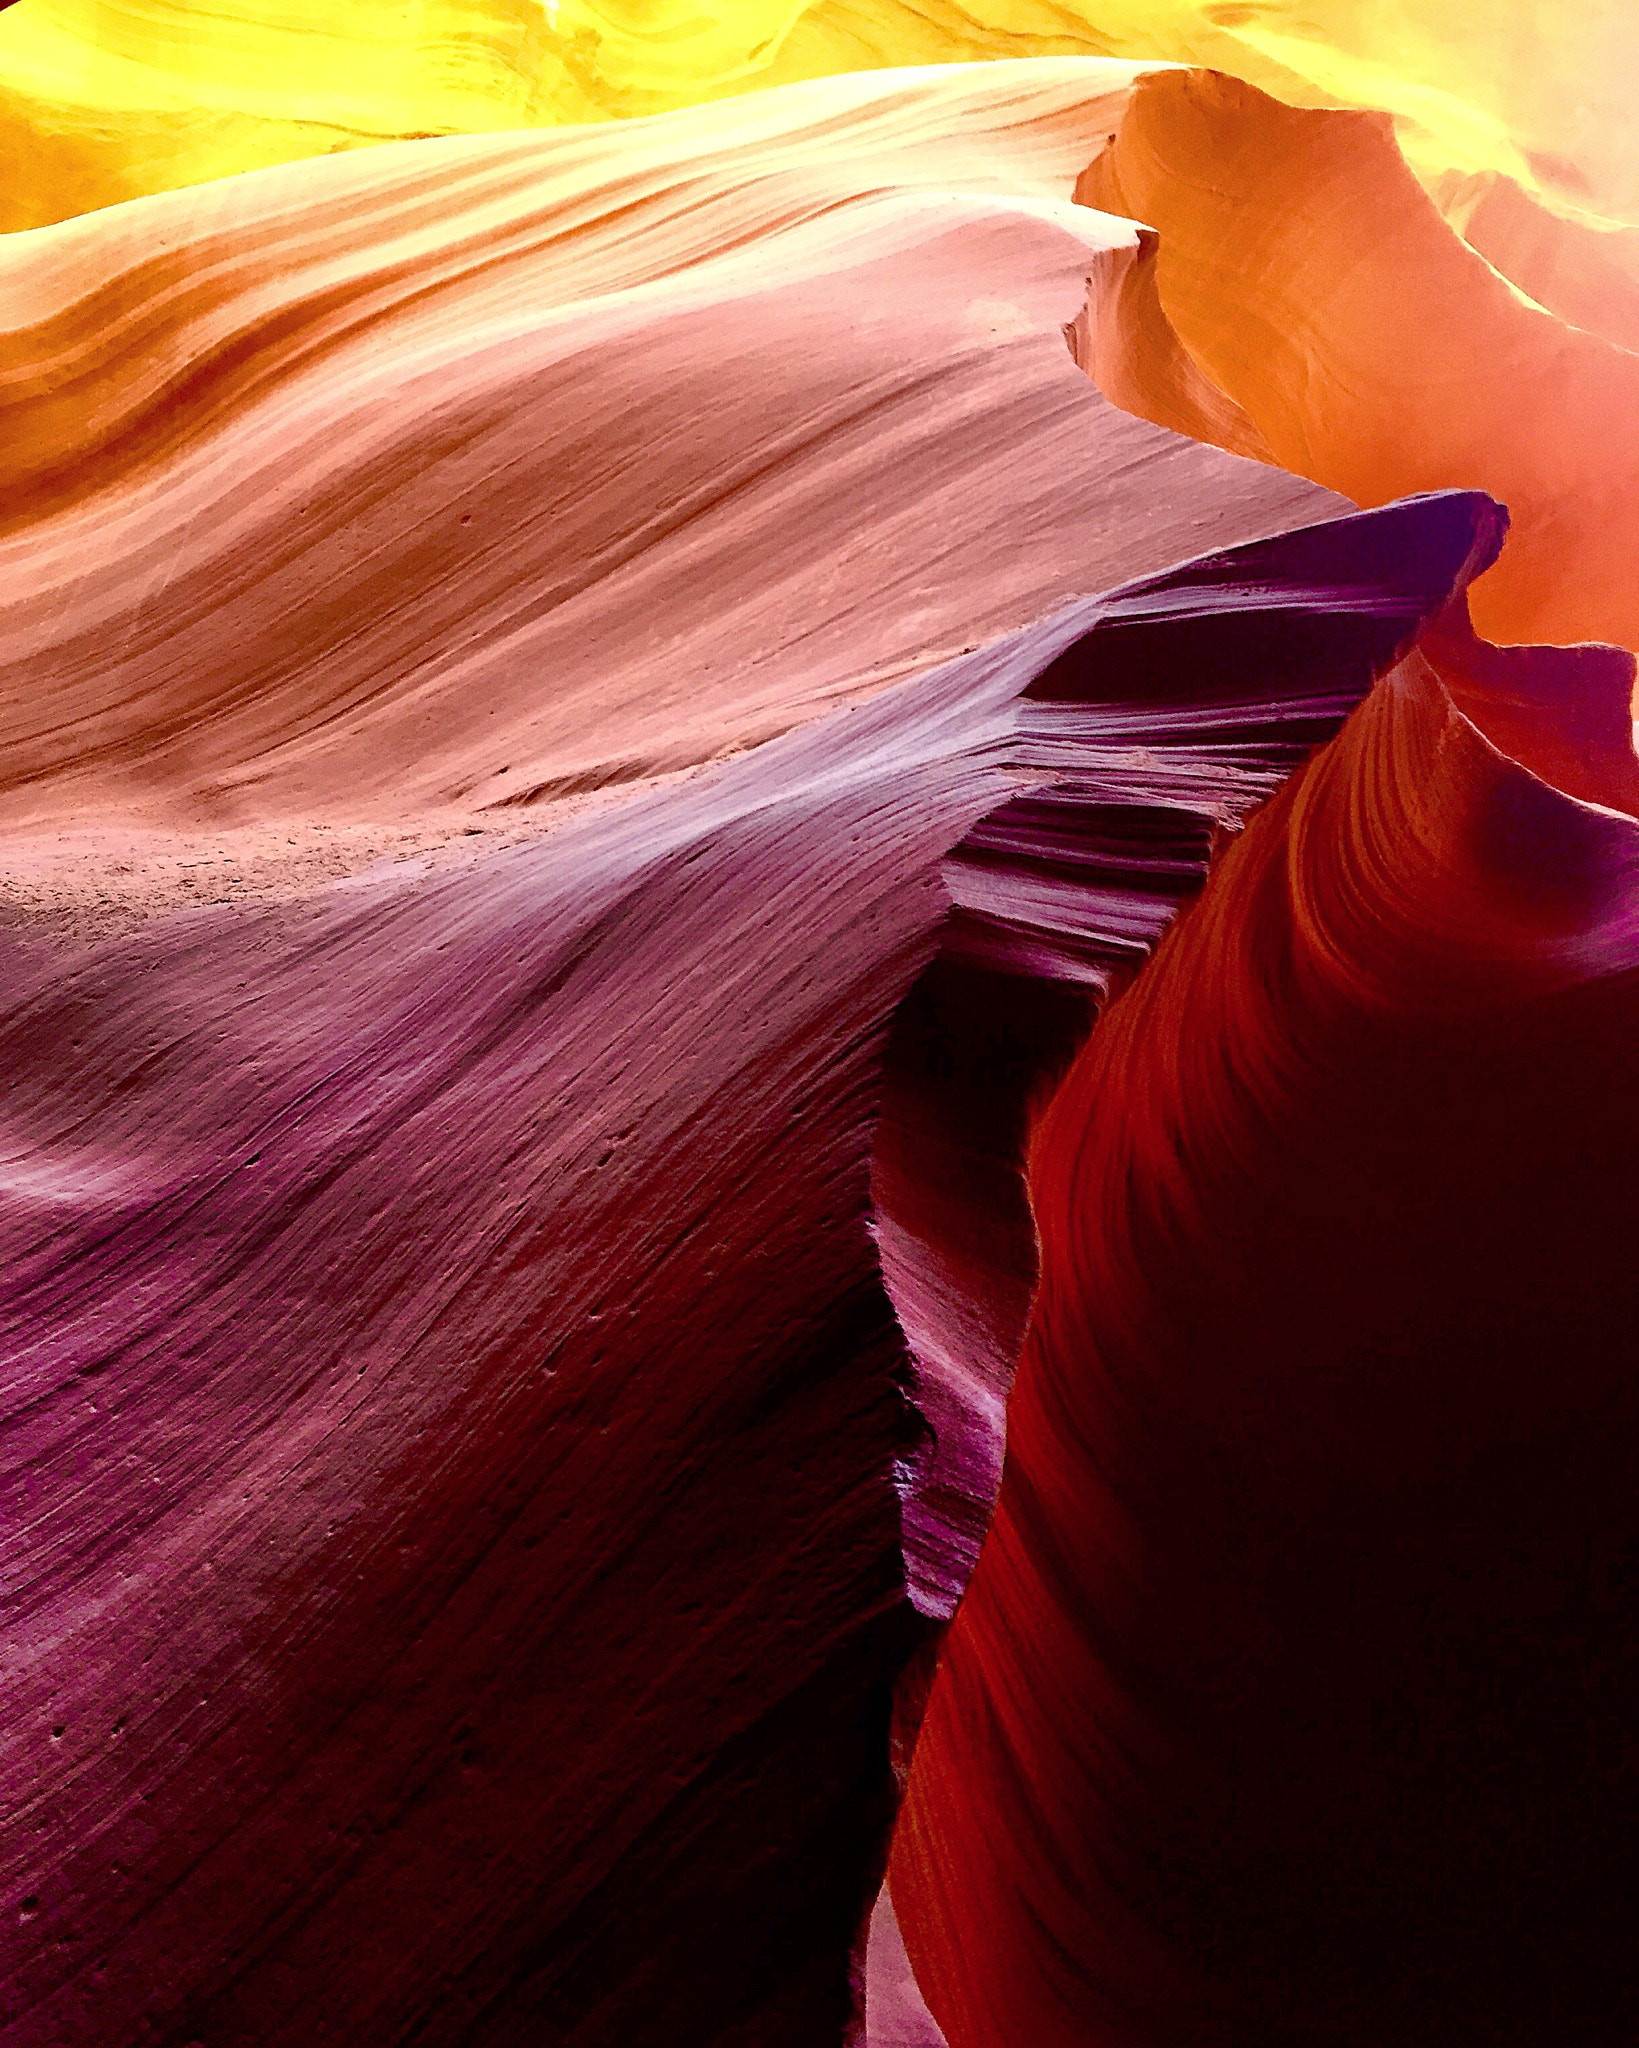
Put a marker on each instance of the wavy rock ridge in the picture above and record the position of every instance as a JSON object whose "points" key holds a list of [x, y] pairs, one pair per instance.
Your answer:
{"points": [[1292, 1684], [1379, 364], [104, 102], [359, 505], [376, 1556], [568, 807]]}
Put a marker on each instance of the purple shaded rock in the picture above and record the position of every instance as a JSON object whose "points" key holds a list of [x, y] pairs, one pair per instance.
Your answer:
{"points": [[460, 1484]]}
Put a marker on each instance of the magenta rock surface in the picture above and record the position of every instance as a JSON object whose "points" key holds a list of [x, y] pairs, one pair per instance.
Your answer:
{"points": [[467, 1486]]}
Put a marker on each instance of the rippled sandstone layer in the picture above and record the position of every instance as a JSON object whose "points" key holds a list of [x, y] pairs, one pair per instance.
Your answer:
{"points": [[588, 716], [106, 101], [1309, 282], [463, 1492], [1289, 1700], [468, 1498]]}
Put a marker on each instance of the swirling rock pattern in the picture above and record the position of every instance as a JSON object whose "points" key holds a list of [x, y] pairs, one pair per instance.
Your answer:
{"points": [[106, 101], [451, 1449], [358, 505], [1585, 270], [1290, 1699], [1377, 364], [1187, 699], [597, 727]]}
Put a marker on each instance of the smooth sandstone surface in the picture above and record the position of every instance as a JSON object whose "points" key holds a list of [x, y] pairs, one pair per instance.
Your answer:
{"points": [[1311, 280], [472, 1485], [1290, 1699], [588, 716], [460, 1451], [353, 505], [1189, 698], [105, 99], [1583, 268]]}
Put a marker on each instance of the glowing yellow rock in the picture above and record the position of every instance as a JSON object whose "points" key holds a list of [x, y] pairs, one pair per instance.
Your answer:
{"points": [[104, 99]]}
